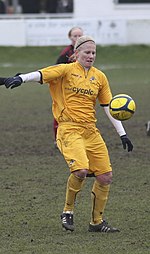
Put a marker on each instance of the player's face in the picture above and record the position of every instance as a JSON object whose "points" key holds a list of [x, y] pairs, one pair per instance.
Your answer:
{"points": [[75, 34], [86, 54]]}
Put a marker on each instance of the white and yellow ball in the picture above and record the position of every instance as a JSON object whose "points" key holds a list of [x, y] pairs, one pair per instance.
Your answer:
{"points": [[122, 107]]}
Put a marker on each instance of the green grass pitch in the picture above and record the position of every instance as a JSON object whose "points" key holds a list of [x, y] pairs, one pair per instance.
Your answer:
{"points": [[33, 173]]}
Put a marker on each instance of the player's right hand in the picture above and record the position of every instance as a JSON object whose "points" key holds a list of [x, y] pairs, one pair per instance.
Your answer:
{"points": [[13, 82]]}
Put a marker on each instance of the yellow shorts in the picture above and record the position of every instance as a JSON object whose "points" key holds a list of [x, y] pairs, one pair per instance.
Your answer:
{"points": [[83, 148]]}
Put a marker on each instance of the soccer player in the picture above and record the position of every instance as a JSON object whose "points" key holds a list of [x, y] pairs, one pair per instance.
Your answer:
{"points": [[74, 88], [67, 56]]}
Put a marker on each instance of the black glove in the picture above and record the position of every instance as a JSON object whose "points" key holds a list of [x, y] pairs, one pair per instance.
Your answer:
{"points": [[13, 82], [2, 81], [126, 143]]}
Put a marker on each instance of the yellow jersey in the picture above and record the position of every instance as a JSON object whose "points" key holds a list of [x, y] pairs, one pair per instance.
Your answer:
{"points": [[75, 90]]}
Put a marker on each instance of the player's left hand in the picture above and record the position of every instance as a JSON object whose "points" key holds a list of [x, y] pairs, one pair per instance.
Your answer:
{"points": [[13, 82], [2, 81], [126, 143]]}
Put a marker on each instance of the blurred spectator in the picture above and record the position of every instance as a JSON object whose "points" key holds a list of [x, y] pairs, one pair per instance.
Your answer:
{"points": [[65, 6], [10, 7], [2, 7], [13, 6]]}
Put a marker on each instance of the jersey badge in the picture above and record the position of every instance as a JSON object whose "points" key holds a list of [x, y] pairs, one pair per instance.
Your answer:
{"points": [[92, 78]]}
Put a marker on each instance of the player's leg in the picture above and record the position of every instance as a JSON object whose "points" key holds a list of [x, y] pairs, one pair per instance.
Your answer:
{"points": [[100, 165], [99, 198], [72, 147], [74, 185]]}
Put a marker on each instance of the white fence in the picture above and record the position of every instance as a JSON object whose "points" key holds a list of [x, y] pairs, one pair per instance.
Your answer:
{"points": [[43, 32]]}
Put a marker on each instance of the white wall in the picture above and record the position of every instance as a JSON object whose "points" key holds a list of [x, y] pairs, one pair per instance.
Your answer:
{"points": [[92, 8], [12, 33], [107, 8], [44, 32], [138, 32]]}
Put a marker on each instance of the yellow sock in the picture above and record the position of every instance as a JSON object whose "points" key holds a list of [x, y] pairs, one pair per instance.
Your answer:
{"points": [[74, 185], [99, 197]]}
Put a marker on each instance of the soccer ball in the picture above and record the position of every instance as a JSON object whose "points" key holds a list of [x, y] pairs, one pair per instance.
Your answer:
{"points": [[122, 107]]}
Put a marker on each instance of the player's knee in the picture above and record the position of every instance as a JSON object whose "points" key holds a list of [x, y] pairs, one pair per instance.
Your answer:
{"points": [[105, 179], [81, 173]]}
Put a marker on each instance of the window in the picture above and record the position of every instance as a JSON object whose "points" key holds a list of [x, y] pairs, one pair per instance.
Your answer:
{"points": [[133, 1], [36, 6]]}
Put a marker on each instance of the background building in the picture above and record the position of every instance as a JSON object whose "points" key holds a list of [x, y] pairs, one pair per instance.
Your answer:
{"points": [[46, 22]]}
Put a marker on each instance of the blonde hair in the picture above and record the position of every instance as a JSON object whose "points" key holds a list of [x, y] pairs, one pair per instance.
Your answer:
{"points": [[81, 40]]}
